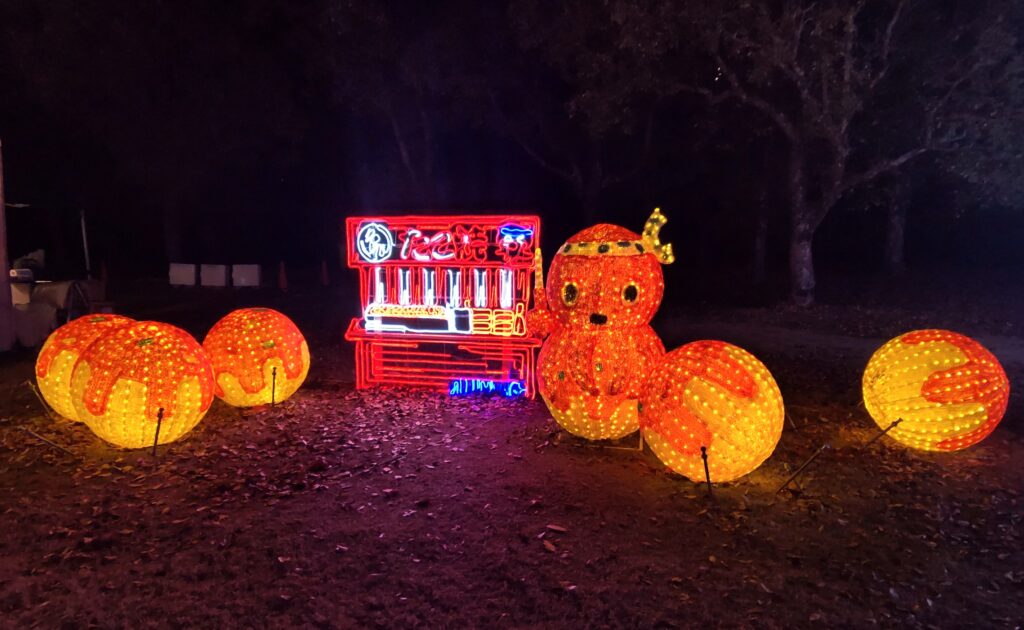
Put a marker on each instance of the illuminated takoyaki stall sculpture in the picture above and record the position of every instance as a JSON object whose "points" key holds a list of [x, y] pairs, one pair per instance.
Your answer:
{"points": [[443, 302]]}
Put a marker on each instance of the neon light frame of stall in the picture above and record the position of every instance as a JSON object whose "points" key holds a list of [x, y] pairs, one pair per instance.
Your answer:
{"points": [[444, 300]]}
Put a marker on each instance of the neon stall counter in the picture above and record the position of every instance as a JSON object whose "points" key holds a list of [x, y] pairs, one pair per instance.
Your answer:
{"points": [[444, 301]]}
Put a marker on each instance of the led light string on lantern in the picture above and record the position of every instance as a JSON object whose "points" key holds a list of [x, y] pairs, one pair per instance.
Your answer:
{"points": [[935, 390], [140, 384], [604, 286], [710, 410], [140, 374], [258, 355], [60, 352]]}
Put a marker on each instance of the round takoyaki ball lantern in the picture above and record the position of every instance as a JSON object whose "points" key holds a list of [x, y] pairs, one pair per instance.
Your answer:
{"points": [[947, 391], [123, 380], [258, 356], [715, 395], [57, 358]]}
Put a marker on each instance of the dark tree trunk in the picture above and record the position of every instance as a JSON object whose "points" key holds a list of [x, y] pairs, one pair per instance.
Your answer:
{"points": [[801, 264], [761, 246], [801, 237], [418, 164], [895, 238]]}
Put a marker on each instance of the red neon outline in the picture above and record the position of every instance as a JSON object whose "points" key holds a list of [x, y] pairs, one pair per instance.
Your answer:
{"points": [[435, 360]]}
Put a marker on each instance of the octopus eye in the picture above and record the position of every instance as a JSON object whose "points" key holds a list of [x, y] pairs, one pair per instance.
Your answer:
{"points": [[570, 293], [630, 293]]}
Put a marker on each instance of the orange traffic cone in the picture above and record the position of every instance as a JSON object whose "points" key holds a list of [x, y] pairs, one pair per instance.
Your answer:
{"points": [[282, 277], [325, 280]]}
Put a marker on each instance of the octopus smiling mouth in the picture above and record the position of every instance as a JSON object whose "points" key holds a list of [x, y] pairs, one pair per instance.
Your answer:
{"points": [[598, 319]]}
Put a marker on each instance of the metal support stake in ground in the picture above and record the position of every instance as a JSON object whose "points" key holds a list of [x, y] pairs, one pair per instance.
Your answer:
{"points": [[707, 472], [792, 422], [273, 385], [884, 431], [48, 442], [802, 466], [159, 421], [42, 401]]}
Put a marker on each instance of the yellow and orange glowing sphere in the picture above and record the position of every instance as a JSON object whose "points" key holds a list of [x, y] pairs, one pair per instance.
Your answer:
{"points": [[716, 395], [57, 358], [127, 375], [604, 286], [947, 390], [258, 356]]}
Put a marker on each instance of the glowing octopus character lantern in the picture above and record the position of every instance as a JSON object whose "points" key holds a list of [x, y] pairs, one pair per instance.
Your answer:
{"points": [[946, 390], [714, 395], [259, 356], [604, 286], [139, 375], [57, 358]]}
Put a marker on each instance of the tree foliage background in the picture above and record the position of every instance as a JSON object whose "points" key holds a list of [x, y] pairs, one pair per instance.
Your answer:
{"points": [[245, 130]]}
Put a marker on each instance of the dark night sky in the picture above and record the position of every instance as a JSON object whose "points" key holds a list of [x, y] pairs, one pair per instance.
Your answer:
{"points": [[257, 126]]}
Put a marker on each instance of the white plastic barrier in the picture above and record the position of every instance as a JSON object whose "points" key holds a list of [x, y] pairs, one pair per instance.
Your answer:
{"points": [[182, 275], [245, 275], [213, 275]]}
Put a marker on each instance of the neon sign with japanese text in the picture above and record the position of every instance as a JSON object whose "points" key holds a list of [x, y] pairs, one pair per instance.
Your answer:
{"points": [[444, 300]]}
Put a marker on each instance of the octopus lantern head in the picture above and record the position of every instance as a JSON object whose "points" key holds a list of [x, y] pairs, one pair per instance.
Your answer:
{"points": [[607, 277]]}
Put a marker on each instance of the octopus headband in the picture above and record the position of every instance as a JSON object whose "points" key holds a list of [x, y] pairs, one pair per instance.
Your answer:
{"points": [[649, 243]]}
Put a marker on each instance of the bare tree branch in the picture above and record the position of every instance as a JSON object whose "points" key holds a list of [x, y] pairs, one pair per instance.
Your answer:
{"points": [[886, 51], [403, 148], [739, 92], [881, 167], [645, 152], [512, 130]]}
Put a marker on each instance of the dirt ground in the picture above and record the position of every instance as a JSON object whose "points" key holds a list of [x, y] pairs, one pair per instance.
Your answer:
{"points": [[345, 508]]}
